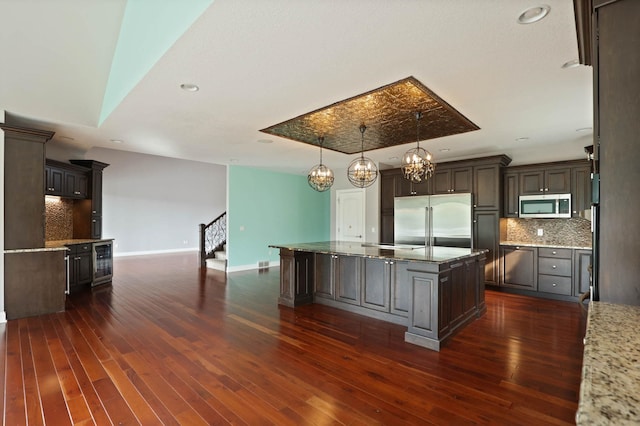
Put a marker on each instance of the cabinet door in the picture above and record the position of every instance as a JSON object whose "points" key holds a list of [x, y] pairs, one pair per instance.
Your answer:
{"points": [[511, 194], [486, 187], [442, 181], [531, 182], [348, 279], [581, 192], [400, 290], [75, 185], [519, 267], [376, 283], [96, 227], [386, 228], [324, 282], [581, 274], [303, 289], [387, 192], [458, 287], [96, 193], [53, 181], [557, 181], [486, 235], [462, 179], [422, 188]]}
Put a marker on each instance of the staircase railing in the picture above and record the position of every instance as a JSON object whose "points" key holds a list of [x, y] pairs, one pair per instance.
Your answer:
{"points": [[213, 236]]}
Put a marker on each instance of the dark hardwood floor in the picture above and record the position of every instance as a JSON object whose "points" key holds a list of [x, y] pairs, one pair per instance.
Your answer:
{"points": [[168, 343]]}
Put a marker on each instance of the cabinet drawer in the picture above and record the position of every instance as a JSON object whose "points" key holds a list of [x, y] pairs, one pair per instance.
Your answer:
{"points": [[554, 284], [79, 248], [547, 265], [554, 252]]}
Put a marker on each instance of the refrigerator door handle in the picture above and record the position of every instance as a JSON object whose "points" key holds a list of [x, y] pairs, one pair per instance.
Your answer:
{"points": [[431, 237], [427, 227]]}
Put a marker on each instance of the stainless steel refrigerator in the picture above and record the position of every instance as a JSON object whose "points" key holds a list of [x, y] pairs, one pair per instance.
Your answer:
{"points": [[433, 220]]}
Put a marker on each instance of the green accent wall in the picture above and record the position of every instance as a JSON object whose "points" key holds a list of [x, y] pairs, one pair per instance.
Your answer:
{"points": [[273, 208], [149, 28]]}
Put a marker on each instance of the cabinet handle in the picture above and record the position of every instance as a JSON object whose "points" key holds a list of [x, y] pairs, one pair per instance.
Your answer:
{"points": [[76, 192], [94, 221], [554, 267], [546, 189], [391, 263], [475, 205], [94, 212], [541, 189], [475, 221], [554, 252], [555, 285], [77, 258], [574, 212], [516, 212]]}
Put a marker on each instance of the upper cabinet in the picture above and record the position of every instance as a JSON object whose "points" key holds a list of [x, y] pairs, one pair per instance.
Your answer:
{"points": [[569, 177], [66, 180], [447, 180]]}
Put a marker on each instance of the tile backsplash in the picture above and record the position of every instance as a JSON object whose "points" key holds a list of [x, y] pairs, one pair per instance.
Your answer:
{"points": [[574, 232], [58, 224]]}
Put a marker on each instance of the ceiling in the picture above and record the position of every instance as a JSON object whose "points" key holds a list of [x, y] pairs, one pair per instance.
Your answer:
{"points": [[259, 63]]}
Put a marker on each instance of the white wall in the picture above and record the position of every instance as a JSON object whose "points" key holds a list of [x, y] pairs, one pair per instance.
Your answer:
{"points": [[155, 204], [372, 200]]}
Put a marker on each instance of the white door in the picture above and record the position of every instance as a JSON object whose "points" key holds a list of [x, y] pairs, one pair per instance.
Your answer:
{"points": [[350, 214]]}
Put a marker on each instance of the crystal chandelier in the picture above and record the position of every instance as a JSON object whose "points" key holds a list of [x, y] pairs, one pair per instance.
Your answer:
{"points": [[320, 176], [416, 163], [362, 172]]}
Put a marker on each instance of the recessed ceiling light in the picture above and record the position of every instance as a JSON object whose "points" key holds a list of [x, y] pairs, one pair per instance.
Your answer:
{"points": [[522, 139], [189, 87], [584, 129], [233, 160], [394, 158], [265, 141], [116, 140], [444, 149], [533, 14], [571, 64]]}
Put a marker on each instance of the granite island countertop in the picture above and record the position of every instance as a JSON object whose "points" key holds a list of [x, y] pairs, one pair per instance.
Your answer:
{"points": [[64, 243], [610, 386], [435, 254]]}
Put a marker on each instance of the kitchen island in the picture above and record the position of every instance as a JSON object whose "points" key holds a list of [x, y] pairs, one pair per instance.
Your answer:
{"points": [[433, 291]]}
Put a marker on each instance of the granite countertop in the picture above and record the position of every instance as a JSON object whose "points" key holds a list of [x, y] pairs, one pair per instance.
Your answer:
{"points": [[434, 254], [64, 243], [610, 386], [31, 250], [520, 243]]}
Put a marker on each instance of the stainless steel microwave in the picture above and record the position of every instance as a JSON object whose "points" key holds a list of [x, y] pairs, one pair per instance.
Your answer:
{"points": [[545, 206]]}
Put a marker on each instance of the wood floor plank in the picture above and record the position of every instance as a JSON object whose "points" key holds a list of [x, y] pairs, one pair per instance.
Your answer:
{"points": [[169, 343]]}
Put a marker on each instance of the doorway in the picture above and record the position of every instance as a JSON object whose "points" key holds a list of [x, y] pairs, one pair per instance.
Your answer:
{"points": [[350, 215]]}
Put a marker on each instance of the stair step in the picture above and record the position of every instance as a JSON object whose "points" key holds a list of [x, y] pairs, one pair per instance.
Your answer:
{"points": [[220, 255], [217, 264]]}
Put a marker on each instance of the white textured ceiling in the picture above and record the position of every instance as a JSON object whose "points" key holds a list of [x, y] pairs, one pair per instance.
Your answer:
{"points": [[260, 62]]}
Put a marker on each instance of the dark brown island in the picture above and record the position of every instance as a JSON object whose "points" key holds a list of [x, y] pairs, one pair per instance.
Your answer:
{"points": [[433, 291]]}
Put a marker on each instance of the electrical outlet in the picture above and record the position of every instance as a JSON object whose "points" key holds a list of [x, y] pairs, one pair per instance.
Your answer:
{"points": [[185, 242], [540, 232]]}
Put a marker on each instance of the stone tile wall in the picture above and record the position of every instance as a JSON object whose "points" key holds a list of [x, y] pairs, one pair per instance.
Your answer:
{"points": [[58, 224], [574, 232]]}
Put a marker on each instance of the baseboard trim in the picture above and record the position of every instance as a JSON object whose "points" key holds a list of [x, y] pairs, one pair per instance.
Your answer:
{"points": [[239, 268], [145, 253], [3, 317]]}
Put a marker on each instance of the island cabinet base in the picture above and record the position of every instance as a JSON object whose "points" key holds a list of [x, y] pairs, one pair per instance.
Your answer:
{"points": [[433, 299]]}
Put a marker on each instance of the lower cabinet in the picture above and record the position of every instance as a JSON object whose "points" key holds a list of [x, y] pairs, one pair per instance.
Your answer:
{"points": [[296, 278], [518, 267], [549, 271], [80, 265], [347, 276], [324, 280], [581, 271], [376, 283]]}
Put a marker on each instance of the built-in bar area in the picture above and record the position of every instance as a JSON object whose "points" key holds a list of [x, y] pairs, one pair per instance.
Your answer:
{"points": [[433, 291]]}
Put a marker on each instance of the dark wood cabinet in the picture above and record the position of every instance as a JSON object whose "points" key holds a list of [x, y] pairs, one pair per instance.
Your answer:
{"points": [[324, 279], [545, 181], [376, 283], [581, 271], [24, 182], [75, 185], [511, 194], [581, 192], [519, 267], [347, 279], [80, 265], [54, 181], [296, 282], [450, 180], [400, 290], [486, 235], [555, 270], [89, 217], [616, 38], [486, 187]]}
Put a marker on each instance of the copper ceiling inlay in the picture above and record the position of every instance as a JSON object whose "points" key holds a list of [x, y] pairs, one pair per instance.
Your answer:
{"points": [[389, 114]]}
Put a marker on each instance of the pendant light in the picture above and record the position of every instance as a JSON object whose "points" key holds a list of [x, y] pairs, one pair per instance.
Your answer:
{"points": [[362, 172], [417, 165], [320, 176]]}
